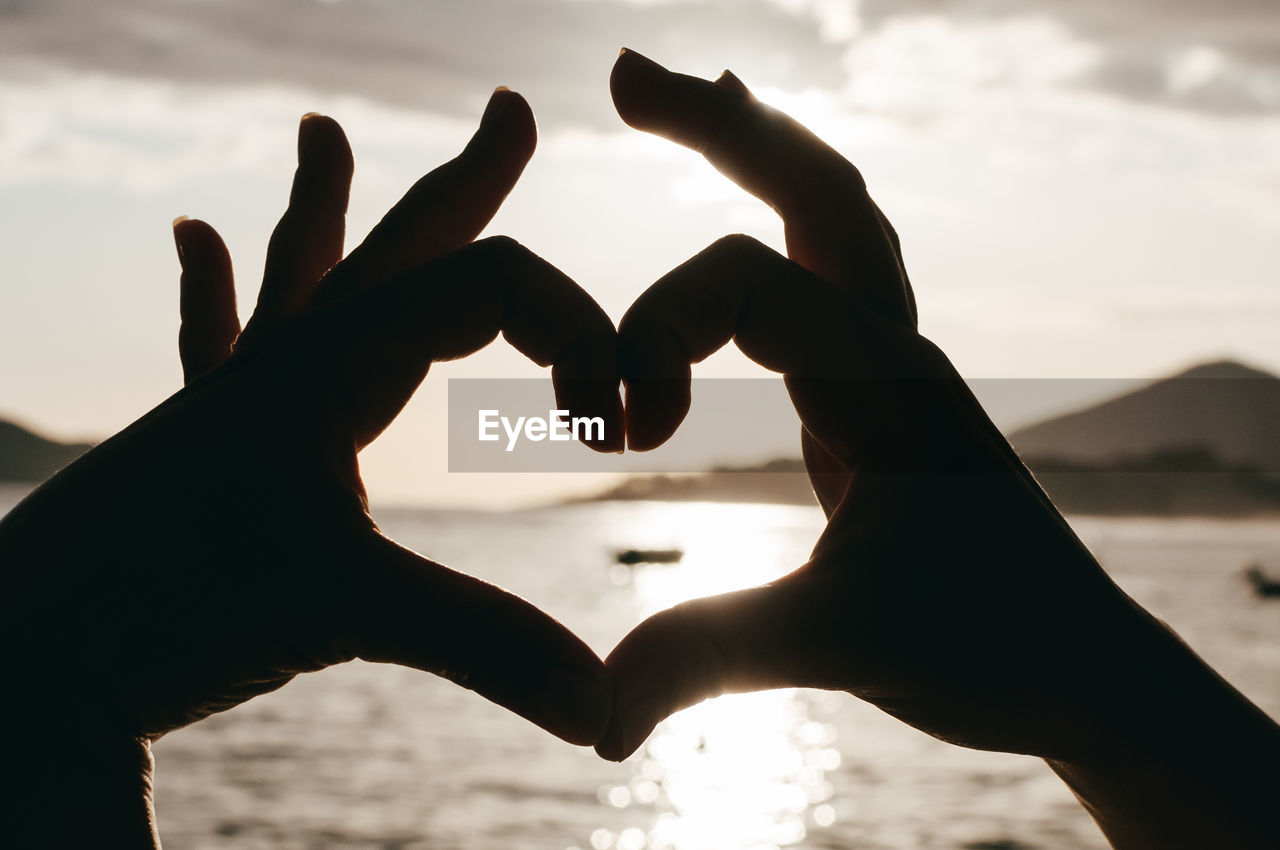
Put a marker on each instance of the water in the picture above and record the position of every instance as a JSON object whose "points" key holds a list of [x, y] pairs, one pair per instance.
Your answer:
{"points": [[372, 756]]}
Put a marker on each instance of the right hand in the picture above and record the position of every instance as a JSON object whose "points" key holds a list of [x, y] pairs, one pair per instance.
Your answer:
{"points": [[946, 589]]}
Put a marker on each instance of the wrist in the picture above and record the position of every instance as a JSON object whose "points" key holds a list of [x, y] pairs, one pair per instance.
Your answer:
{"points": [[80, 778], [81, 791], [1175, 756]]}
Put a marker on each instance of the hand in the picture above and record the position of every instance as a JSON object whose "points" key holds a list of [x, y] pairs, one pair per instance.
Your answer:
{"points": [[222, 544], [946, 589]]}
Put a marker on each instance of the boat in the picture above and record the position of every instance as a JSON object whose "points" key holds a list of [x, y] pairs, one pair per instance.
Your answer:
{"points": [[631, 557], [1263, 585]]}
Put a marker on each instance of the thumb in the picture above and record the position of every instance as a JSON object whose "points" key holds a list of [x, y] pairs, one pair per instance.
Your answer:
{"points": [[750, 640], [417, 613]]}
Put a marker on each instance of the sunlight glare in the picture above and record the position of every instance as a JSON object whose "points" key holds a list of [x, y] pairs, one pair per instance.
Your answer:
{"points": [[738, 771]]}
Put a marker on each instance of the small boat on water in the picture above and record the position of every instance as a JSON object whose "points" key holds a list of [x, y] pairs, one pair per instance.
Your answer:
{"points": [[631, 557], [1263, 585]]}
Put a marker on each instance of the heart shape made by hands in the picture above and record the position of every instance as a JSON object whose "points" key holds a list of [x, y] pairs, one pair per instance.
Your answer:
{"points": [[939, 545], [921, 573]]}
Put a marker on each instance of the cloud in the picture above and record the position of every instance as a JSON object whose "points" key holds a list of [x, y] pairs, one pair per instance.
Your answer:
{"points": [[440, 56], [1219, 56]]}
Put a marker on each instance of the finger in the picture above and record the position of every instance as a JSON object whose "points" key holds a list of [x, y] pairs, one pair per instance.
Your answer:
{"points": [[454, 306], [833, 350], [449, 207], [868, 391], [833, 228], [207, 298], [420, 614], [766, 637], [307, 242]]}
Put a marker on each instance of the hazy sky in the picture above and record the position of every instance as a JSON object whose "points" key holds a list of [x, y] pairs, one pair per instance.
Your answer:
{"points": [[1084, 188]]}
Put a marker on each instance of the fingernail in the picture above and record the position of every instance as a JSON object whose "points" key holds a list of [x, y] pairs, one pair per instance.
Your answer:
{"points": [[177, 237], [639, 61], [579, 705], [307, 128], [730, 81], [500, 102]]}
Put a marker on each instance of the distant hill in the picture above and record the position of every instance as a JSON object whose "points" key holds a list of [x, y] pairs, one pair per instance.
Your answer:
{"points": [[1203, 442], [1224, 409], [28, 457], [778, 482]]}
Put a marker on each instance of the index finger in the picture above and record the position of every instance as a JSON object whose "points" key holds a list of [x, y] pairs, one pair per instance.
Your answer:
{"points": [[833, 227], [846, 366], [458, 304]]}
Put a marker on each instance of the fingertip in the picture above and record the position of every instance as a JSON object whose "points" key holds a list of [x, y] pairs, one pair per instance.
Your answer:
{"points": [[654, 409], [615, 424], [663, 666], [508, 118], [592, 398], [730, 81], [194, 237], [586, 380], [616, 747], [633, 720], [622, 737], [577, 708], [310, 125], [686, 110], [322, 140], [341, 151], [617, 437], [633, 61], [657, 382], [630, 84], [178, 238]]}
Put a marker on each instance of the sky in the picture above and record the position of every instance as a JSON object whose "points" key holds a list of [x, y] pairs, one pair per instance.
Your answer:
{"points": [[1084, 188]]}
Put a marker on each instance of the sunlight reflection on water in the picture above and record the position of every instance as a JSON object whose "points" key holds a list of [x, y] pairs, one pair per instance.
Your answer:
{"points": [[740, 771]]}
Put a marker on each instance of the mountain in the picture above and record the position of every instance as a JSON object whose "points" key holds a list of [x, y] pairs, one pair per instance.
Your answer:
{"points": [[1204, 442], [1225, 409], [28, 457], [779, 482]]}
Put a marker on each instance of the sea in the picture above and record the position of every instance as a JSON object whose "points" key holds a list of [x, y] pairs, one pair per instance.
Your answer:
{"points": [[376, 756]]}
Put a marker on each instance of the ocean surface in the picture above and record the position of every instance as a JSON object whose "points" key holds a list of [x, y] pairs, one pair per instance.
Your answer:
{"points": [[373, 756]]}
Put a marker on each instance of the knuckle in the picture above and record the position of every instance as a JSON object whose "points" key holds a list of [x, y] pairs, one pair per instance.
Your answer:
{"points": [[500, 246], [932, 358], [737, 245]]}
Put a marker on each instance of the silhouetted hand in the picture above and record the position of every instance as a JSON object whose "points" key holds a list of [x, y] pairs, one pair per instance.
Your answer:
{"points": [[946, 589], [222, 544]]}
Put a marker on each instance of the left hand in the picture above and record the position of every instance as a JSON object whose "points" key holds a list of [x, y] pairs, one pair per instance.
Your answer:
{"points": [[222, 544]]}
